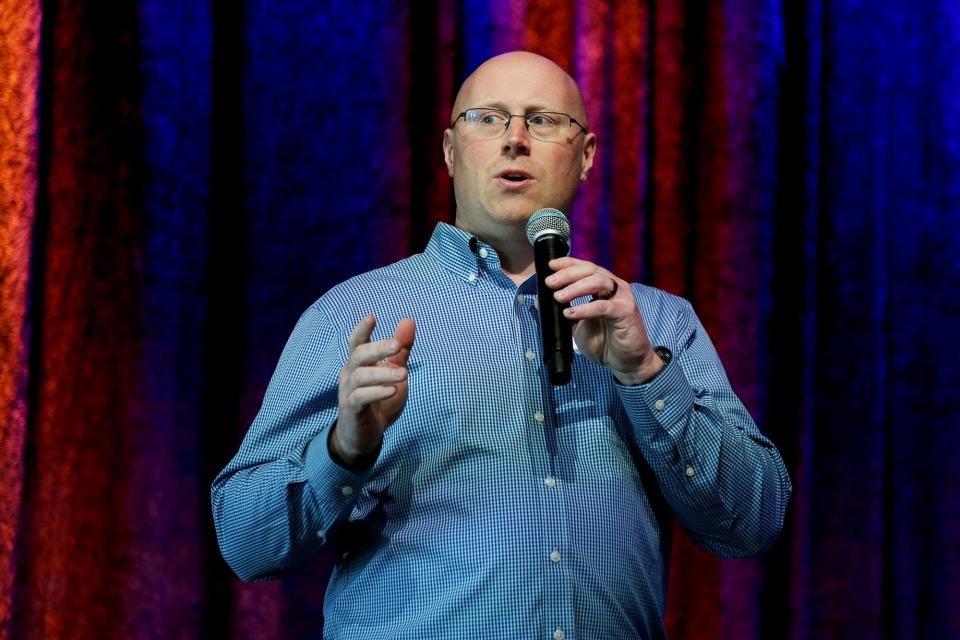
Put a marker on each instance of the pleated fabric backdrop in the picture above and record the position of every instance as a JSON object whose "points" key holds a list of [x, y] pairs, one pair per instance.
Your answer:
{"points": [[179, 180]]}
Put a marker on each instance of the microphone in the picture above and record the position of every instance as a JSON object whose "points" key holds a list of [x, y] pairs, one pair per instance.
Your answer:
{"points": [[548, 231]]}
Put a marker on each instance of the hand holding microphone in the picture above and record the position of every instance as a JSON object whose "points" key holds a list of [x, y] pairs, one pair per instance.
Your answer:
{"points": [[609, 329]]}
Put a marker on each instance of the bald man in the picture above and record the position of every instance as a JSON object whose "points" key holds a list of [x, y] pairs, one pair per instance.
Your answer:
{"points": [[410, 422]]}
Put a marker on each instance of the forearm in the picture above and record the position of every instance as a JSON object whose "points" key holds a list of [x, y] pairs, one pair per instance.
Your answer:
{"points": [[281, 494], [261, 515], [726, 482], [273, 514]]}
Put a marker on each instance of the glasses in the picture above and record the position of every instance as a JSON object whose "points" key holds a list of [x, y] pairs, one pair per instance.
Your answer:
{"points": [[488, 123]]}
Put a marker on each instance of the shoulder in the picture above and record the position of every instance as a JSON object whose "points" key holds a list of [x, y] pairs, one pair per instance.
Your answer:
{"points": [[376, 282], [387, 292]]}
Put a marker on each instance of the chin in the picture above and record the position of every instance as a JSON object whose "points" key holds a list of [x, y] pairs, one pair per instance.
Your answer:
{"points": [[516, 211]]}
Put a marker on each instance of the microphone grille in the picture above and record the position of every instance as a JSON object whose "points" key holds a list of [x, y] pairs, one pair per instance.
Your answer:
{"points": [[548, 220]]}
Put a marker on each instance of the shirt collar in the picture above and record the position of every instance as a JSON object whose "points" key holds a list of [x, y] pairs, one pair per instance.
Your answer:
{"points": [[459, 252], [469, 258]]}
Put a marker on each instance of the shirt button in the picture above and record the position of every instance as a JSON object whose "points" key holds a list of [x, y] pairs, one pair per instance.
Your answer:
{"points": [[555, 555], [559, 635], [659, 405], [472, 277], [530, 355], [347, 490], [483, 252], [538, 416], [521, 299], [322, 534], [550, 481], [690, 471]]}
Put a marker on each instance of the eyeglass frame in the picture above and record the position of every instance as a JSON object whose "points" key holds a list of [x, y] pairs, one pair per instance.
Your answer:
{"points": [[511, 116]]}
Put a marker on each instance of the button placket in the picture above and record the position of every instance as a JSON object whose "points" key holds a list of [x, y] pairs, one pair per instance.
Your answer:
{"points": [[553, 533]]}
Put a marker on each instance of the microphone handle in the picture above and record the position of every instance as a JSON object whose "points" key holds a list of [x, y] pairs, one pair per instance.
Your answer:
{"points": [[554, 327]]}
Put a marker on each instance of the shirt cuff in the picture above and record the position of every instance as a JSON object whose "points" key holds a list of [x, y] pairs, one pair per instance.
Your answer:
{"points": [[335, 487], [663, 401]]}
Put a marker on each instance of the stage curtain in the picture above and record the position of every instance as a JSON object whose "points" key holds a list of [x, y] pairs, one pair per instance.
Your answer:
{"points": [[180, 180]]}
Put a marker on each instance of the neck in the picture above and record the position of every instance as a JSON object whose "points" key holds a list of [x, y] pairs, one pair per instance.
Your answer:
{"points": [[517, 267]]}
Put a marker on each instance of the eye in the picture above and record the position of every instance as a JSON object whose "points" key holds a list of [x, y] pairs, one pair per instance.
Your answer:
{"points": [[541, 120], [488, 118]]}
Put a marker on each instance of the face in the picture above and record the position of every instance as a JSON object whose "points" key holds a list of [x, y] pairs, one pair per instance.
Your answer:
{"points": [[500, 183]]}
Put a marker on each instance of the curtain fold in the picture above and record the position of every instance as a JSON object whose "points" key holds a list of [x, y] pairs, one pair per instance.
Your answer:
{"points": [[19, 59]]}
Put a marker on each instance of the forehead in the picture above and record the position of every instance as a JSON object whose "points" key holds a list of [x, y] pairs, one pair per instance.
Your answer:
{"points": [[524, 84]]}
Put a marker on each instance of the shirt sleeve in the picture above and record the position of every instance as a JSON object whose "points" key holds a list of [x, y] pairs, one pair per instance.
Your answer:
{"points": [[276, 501], [725, 481]]}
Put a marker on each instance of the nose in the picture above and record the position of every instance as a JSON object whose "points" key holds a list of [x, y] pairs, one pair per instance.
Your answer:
{"points": [[516, 140]]}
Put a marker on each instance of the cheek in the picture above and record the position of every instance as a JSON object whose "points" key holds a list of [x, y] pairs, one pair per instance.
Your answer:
{"points": [[564, 170], [467, 164], [469, 187]]}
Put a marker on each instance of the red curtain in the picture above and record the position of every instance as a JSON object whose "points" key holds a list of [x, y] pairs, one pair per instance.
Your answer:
{"points": [[19, 59]]}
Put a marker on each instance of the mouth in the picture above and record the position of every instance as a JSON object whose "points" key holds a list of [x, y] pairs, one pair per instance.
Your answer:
{"points": [[513, 178]]}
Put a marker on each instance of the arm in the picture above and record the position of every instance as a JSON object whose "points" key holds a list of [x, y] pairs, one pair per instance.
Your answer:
{"points": [[726, 482], [282, 495]]}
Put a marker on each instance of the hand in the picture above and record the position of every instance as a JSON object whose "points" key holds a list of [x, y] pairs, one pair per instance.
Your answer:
{"points": [[608, 330], [372, 390]]}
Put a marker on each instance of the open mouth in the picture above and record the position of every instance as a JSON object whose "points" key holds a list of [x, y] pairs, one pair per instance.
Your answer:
{"points": [[514, 177]]}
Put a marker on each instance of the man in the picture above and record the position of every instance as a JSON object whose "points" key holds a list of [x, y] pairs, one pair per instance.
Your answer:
{"points": [[465, 494]]}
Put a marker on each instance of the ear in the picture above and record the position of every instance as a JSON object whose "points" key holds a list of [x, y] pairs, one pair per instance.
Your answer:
{"points": [[448, 150], [589, 151]]}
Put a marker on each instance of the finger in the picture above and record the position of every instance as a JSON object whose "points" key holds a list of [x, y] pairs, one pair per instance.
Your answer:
{"points": [[604, 309], [370, 353], [614, 286], [363, 396], [405, 333], [597, 284], [372, 376], [564, 262], [573, 272], [362, 332]]}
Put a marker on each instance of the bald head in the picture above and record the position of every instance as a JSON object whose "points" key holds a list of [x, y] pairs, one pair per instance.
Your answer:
{"points": [[481, 88]]}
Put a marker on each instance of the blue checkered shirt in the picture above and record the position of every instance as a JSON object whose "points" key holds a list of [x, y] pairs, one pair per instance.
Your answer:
{"points": [[499, 506]]}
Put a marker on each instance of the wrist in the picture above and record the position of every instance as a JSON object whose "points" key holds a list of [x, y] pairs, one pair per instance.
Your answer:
{"points": [[350, 459], [654, 362]]}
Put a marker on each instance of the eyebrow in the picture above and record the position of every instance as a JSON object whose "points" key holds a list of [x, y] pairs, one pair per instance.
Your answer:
{"points": [[496, 104]]}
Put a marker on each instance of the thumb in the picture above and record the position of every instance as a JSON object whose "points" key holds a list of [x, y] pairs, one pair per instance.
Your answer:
{"points": [[406, 330]]}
